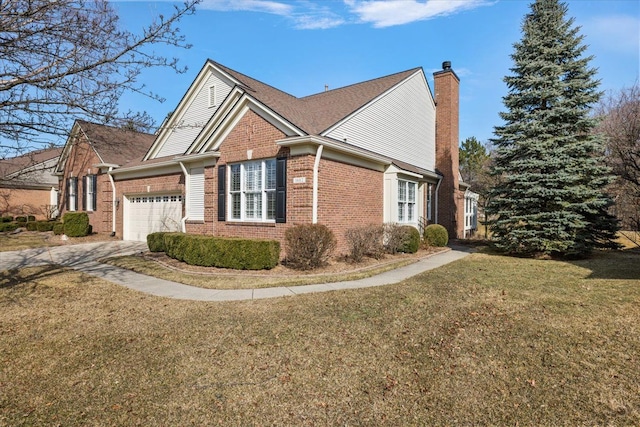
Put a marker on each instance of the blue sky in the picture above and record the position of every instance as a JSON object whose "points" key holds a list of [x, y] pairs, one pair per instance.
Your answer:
{"points": [[300, 46]]}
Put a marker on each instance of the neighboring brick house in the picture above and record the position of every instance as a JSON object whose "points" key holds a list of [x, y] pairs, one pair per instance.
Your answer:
{"points": [[28, 186], [238, 157], [90, 152]]}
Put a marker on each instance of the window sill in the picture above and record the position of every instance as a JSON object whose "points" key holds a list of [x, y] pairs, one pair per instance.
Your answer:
{"points": [[249, 224]]}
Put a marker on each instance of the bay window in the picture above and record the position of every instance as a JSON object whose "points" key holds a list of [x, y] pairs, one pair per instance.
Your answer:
{"points": [[407, 201]]}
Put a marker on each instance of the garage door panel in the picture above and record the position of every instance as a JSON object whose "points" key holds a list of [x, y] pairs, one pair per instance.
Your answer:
{"points": [[149, 214]]}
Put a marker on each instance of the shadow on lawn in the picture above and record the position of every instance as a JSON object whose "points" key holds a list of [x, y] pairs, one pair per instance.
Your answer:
{"points": [[616, 265]]}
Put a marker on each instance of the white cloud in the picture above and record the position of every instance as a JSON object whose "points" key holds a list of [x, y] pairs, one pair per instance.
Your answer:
{"points": [[617, 33], [387, 13], [305, 15], [265, 6]]}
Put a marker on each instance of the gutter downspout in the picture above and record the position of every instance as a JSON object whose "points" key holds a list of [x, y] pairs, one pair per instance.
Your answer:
{"points": [[316, 165], [437, 197], [113, 202], [183, 221]]}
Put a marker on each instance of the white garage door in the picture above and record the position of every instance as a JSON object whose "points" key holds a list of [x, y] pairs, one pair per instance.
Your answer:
{"points": [[148, 214]]}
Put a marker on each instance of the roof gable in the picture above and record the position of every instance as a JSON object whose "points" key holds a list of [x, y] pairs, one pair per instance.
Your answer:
{"points": [[194, 111], [112, 145]]}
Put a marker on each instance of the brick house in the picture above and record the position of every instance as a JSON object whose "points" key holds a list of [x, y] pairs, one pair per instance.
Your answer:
{"points": [[90, 152], [238, 157], [28, 185]]}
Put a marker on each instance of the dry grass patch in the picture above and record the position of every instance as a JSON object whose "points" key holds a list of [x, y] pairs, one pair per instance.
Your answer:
{"points": [[161, 266], [488, 340], [26, 240]]}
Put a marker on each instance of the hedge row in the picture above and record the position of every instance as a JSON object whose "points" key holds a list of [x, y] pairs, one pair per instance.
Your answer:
{"points": [[208, 251], [30, 226]]}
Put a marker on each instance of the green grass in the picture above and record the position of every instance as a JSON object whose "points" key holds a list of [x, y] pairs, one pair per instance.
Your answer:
{"points": [[487, 340]]}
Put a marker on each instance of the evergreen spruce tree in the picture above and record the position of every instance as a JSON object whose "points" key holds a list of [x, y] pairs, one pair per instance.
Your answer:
{"points": [[550, 198]]}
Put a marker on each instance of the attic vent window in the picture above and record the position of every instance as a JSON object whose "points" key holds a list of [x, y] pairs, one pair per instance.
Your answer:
{"points": [[212, 96]]}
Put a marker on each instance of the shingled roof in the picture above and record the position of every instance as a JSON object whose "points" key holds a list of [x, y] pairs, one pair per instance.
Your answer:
{"points": [[316, 113], [33, 158], [115, 145]]}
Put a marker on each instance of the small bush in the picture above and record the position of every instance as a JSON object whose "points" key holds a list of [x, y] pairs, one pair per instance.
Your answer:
{"points": [[155, 241], [394, 237], [401, 238], [411, 240], [32, 226], [6, 219], [365, 241], [76, 224], [309, 246], [45, 225], [207, 251], [7, 226], [58, 228], [31, 218], [21, 219], [436, 235]]}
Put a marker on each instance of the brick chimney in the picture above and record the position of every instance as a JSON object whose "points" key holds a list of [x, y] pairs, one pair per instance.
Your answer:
{"points": [[450, 198]]}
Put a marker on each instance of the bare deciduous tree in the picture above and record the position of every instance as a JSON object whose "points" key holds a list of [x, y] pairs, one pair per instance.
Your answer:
{"points": [[68, 59], [620, 125]]}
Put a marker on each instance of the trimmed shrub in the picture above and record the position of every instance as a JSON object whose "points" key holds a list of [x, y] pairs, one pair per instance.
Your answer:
{"points": [[365, 241], [309, 246], [436, 235], [31, 218], [7, 226], [76, 224], [45, 225], [21, 218], [32, 226], [58, 228], [155, 241], [207, 251], [411, 240], [6, 219], [401, 238]]}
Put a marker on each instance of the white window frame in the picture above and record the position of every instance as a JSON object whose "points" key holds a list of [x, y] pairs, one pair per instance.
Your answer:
{"points": [[429, 202], [407, 201], [256, 187], [88, 182], [212, 96], [73, 194]]}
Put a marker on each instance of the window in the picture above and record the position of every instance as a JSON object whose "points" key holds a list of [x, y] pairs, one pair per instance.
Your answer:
{"points": [[406, 201], [429, 202], [252, 191], [72, 194], [212, 96], [89, 199]]}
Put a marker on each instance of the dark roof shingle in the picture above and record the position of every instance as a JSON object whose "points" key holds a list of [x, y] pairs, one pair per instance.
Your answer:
{"points": [[115, 145], [316, 113]]}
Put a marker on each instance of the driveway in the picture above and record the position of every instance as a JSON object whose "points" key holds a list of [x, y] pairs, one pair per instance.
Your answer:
{"points": [[68, 255]]}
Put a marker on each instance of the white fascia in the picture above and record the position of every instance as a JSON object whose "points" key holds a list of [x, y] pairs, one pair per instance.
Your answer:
{"points": [[213, 140], [201, 141], [307, 145], [183, 105]]}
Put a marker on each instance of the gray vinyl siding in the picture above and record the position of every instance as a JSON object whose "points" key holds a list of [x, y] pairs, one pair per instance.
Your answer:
{"points": [[400, 124], [194, 118]]}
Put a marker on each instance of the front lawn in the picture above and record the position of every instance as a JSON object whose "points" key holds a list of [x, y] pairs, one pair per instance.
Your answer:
{"points": [[487, 340]]}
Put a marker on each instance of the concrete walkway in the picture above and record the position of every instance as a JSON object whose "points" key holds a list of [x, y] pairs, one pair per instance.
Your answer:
{"points": [[83, 258]]}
